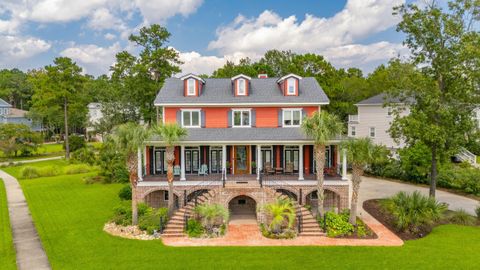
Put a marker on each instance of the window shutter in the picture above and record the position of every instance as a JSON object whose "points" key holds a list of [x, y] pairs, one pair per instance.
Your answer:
{"points": [[229, 118], [280, 120], [179, 117], [253, 115], [304, 113], [202, 114]]}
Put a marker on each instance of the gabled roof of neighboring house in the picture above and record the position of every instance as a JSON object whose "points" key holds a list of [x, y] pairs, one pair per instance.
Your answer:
{"points": [[3, 103], [16, 113], [379, 99], [262, 91]]}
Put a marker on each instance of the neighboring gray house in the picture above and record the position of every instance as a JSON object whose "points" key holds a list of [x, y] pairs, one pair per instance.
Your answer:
{"points": [[8, 114]]}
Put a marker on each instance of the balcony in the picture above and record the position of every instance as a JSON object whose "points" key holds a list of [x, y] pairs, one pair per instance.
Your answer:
{"points": [[353, 118]]}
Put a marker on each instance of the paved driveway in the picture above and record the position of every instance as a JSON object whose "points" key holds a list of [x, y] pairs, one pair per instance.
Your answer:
{"points": [[373, 188]]}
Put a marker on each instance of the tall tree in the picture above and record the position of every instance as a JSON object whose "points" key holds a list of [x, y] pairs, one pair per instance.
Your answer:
{"points": [[322, 127], [15, 88], [60, 85], [443, 95], [140, 78], [360, 153], [129, 138], [171, 134]]}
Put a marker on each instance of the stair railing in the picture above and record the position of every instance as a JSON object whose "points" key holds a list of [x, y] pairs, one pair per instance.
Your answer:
{"points": [[299, 223]]}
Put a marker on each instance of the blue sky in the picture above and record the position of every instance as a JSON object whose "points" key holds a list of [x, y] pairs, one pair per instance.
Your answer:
{"points": [[206, 33]]}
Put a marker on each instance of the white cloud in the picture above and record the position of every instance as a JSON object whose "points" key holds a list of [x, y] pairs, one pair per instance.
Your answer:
{"points": [[15, 48], [102, 19], [155, 11], [195, 63], [339, 33], [94, 59], [109, 36]]}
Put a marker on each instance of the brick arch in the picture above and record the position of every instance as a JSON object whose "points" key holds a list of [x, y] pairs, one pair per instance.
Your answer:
{"points": [[247, 194], [141, 193], [190, 192], [292, 190], [341, 201]]}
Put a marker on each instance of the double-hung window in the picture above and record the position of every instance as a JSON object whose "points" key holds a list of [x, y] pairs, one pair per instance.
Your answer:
{"points": [[353, 131], [291, 85], [292, 117], [191, 118], [389, 111], [241, 118], [372, 132], [191, 87], [241, 90]]}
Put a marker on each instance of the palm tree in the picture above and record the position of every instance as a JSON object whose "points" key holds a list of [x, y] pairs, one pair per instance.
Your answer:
{"points": [[210, 214], [129, 137], [360, 153], [282, 210], [171, 133], [322, 127]]}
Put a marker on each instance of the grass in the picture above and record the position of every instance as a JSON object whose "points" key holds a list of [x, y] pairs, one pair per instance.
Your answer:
{"points": [[7, 252], [45, 151], [71, 232]]}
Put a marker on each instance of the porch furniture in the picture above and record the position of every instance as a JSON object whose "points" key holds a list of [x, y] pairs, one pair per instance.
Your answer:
{"points": [[289, 168], [278, 170], [268, 168], [203, 170], [176, 170]]}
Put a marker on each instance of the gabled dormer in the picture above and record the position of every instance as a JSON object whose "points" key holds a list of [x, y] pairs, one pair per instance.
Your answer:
{"points": [[192, 85], [241, 85], [289, 84]]}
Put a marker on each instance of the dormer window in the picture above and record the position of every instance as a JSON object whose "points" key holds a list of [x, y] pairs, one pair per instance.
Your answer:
{"points": [[241, 87], [291, 85], [191, 87]]}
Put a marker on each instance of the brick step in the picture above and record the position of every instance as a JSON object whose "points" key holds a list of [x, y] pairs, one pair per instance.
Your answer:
{"points": [[173, 231], [309, 234], [174, 226], [173, 235], [310, 225]]}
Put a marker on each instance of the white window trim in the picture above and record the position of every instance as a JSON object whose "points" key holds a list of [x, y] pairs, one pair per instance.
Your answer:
{"points": [[241, 118], [199, 118], [291, 110], [190, 80], [370, 132], [244, 82], [289, 80]]}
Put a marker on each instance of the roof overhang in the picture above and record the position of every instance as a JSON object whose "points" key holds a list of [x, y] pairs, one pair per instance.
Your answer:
{"points": [[241, 76], [288, 76], [237, 104], [190, 75]]}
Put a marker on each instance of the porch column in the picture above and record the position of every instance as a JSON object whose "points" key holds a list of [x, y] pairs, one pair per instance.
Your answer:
{"points": [[344, 164], [300, 162], [144, 170], [139, 164], [182, 163], [224, 160], [259, 161]]}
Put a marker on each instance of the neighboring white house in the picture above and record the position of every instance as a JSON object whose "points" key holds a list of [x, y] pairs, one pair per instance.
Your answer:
{"points": [[8, 114], [94, 116], [373, 120]]}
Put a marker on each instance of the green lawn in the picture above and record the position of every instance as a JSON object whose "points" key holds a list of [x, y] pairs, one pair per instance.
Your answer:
{"points": [[7, 252], [46, 150], [70, 215]]}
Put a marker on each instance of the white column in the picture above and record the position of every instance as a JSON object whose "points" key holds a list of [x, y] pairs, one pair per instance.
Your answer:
{"points": [[224, 160], [182, 163], [300, 163], [139, 164], [344, 164], [259, 161], [144, 172]]}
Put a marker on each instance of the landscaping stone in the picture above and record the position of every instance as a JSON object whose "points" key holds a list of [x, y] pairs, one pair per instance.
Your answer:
{"points": [[130, 232]]}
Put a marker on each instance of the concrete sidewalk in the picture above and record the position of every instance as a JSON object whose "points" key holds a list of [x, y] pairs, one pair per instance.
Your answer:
{"points": [[28, 247], [29, 160]]}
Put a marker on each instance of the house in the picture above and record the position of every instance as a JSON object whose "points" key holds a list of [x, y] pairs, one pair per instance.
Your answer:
{"points": [[94, 116], [374, 118], [8, 114], [244, 147]]}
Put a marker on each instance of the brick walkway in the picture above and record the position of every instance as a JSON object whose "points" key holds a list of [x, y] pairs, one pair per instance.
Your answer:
{"points": [[249, 235]]}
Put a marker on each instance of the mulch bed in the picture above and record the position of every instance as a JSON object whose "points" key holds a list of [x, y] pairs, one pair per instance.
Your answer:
{"points": [[374, 208]]}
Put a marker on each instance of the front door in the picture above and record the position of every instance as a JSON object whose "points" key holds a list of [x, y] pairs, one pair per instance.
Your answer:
{"points": [[216, 157], [160, 162], [191, 160], [242, 159]]}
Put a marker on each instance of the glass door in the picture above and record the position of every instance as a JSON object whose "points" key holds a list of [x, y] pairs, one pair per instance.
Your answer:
{"points": [[160, 162], [191, 160], [242, 163], [292, 156], [216, 160]]}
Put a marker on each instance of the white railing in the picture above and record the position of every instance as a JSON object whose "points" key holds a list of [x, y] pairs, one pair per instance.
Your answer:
{"points": [[467, 156], [353, 118]]}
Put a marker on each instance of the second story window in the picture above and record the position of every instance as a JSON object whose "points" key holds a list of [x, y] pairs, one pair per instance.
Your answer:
{"points": [[353, 131], [241, 118], [372, 132], [291, 85], [191, 118], [191, 87], [292, 117], [389, 111], [241, 87]]}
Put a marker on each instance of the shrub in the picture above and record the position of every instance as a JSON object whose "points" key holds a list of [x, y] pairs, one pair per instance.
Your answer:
{"points": [[477, 211], [93, 179], [112, 164], [194, 228], [411, 211], [286, 234], [125, 193], [212, 216], [75, 142], [29, 172], [48, 171], [337, 224], [122, 214], [84, 155], [281, 215], [149, 221], [460, 177], [77, 168], [461, 217]]}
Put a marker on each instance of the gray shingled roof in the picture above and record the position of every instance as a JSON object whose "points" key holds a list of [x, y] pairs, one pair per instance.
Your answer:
{"points": [[3, 103], [379, 99], [246, 135], [261, 91]]}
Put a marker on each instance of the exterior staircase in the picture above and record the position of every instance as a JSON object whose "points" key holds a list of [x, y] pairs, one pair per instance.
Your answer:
{"points": [[309, 226], [176, 223]]}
